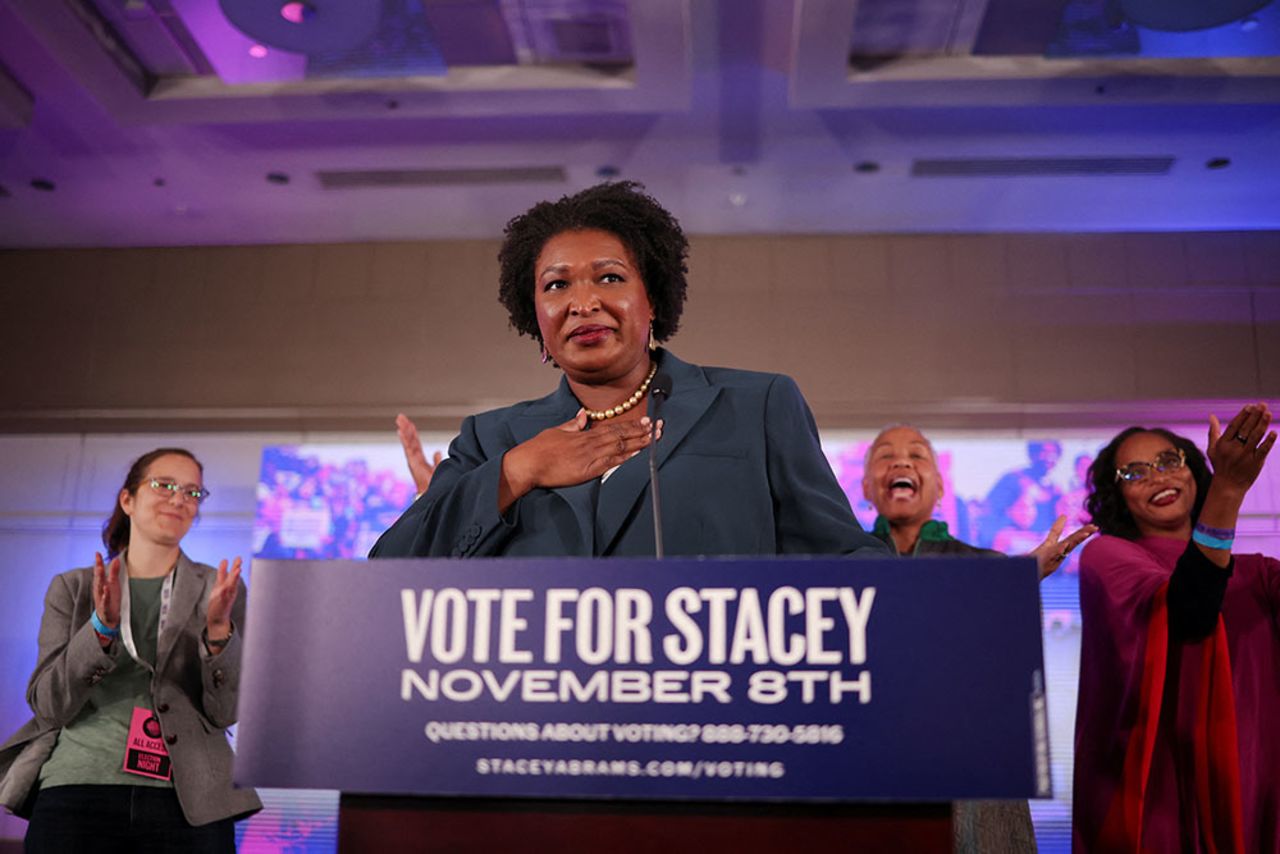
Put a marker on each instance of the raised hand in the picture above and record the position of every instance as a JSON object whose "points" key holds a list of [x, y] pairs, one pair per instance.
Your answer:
{"points": [[569, 454], [420, 468], [1238, 452], [221, 598], [106, 590], [1054, 549]]}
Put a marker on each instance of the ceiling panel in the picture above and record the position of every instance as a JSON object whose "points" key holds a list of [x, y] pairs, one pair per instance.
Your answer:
{"points": [[145, 123]]}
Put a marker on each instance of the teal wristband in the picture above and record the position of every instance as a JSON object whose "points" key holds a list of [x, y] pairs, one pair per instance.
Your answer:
{"points": [[101, 627], [1211, 542]]}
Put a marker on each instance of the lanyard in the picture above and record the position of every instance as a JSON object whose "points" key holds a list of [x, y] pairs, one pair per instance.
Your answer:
{"points": [[126, 625]]}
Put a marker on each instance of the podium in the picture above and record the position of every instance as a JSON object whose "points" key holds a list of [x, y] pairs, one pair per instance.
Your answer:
{"points": [[639, 705], [464, 826]]}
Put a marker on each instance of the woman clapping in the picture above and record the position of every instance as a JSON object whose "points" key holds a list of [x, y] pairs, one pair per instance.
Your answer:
{"points": [[135, 685]]}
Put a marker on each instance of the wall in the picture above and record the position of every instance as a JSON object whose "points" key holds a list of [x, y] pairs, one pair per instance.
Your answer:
{"points": [[1007, 330]]}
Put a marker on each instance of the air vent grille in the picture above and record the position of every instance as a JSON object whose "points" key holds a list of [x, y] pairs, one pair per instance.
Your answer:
{"points": [[365, 178], [1016, 167]]}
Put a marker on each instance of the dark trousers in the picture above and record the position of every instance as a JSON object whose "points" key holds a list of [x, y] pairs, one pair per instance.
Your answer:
{"points": [[105, 819]]}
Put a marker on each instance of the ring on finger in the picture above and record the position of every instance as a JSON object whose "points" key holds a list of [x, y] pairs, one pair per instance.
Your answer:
{"points": [[1241, 438]]}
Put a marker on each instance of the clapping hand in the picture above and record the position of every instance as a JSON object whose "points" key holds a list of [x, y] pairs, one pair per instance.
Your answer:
{"points": [[1054, 549], [106, 592], [419, 467], [221, 598]]}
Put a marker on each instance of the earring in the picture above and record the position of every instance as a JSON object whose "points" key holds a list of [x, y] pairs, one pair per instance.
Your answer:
{"points": [[653, 345], [546, 357]]}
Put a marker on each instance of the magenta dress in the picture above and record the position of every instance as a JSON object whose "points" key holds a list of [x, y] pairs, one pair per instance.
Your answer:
{"points": [[1177, 742]]}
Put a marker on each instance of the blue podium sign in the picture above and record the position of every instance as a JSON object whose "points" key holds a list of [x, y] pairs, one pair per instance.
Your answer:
{"points": [[752, 678]]}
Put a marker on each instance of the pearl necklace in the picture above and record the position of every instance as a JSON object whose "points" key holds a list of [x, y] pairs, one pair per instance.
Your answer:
{"points": [[614, 411]]}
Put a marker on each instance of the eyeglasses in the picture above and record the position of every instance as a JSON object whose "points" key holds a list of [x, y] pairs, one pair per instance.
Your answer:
{"points": [[1164, 461], [169, 487]]}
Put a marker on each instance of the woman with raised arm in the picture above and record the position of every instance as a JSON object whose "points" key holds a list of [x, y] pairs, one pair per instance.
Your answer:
{"points": [[135, 684], [597, 279], [1177, 743]]}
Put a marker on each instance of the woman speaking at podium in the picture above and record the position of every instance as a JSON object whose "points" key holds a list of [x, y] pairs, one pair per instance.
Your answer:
{"points": [[597, 280]]}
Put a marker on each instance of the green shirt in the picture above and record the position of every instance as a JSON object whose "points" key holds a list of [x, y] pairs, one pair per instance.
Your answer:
{"points": [[90, 749]]}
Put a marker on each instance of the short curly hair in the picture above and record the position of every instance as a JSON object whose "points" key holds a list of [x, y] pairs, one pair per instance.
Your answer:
{"points": [[621, 208], [1106, 504]]}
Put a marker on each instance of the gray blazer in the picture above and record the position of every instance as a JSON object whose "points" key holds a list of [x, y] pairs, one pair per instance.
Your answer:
{"points": [[740, 470], [194, 694]]}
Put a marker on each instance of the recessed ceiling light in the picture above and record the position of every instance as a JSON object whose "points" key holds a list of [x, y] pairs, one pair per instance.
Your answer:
{"points": [[257, 51], [867, 167], [1217, 163], [4, 192], [278, 177], [297, 13], [159, 182], [608, 171], [43, 184]]}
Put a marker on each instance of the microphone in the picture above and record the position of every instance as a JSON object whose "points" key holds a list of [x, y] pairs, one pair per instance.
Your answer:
{"points": [[659, 389]]}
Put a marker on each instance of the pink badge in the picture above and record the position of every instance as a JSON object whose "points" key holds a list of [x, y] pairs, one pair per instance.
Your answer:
{"points": [[145, 753]]}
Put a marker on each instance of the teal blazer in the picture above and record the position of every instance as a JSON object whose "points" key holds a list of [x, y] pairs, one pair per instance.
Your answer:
{"points": [[739, 466]]}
